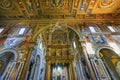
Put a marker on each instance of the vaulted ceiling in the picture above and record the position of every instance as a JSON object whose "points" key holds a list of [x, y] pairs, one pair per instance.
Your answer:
{"points": [[59, 9]]}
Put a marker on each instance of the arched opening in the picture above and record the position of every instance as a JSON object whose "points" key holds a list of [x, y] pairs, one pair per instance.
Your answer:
{"points": [[6, 63], [34, 67], [80, 63], [31, 69], [112, 62], [5, 58], [63, 46], [60, 71]]}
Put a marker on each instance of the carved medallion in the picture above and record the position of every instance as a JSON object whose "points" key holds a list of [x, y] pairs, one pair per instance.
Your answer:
{"points": [[6, 4]]}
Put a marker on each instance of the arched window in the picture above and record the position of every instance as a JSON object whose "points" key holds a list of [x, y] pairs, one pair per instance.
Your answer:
{"points": [[74, 44]]}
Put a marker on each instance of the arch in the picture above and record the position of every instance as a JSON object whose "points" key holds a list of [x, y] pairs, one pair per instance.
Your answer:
{"points": [[35, 36], [100, 48], [7, 57], [109, 58], [10, 50]]}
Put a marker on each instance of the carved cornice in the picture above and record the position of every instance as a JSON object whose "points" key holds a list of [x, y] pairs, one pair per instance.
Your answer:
{"points": [[48, 21]]}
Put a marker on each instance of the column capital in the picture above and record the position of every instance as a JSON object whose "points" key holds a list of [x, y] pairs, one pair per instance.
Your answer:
{"points": [[81, 40]]}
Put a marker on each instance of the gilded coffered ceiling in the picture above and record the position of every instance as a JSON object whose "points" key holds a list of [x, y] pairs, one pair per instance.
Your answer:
{"points": [[59, 9]]}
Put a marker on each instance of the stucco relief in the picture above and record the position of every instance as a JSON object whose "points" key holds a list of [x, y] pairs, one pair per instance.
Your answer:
{"points": [[6, 4]]}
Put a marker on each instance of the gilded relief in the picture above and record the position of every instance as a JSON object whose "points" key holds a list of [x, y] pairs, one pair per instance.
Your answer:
{"points": [[6, 4], [105, 6]]}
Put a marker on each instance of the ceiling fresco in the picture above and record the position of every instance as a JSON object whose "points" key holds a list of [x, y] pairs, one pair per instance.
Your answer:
{"points": [[59, 9]]}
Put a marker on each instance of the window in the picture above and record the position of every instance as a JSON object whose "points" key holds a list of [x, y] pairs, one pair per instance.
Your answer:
{"points": [[21, 31], [92, 29], [1, 29], [74, 44], [111, 28]]}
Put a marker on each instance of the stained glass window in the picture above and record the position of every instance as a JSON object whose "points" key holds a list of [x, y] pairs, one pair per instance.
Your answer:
{"points": [[74, 44]]}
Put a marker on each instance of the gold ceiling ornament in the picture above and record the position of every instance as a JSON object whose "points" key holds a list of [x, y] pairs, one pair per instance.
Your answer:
{"points": [[58, 9], [6, 4], [60, 4], [26, 24], [56, 27], [37, 3], [28, 2], [57, 3], [107, 3]]}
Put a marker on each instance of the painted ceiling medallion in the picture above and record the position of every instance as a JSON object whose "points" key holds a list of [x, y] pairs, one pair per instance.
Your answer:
{"points": [[6, 4], [57, 3], [107, 3]]}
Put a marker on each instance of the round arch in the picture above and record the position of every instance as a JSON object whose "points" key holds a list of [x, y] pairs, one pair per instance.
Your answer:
{"points": [[110, 59], [35, 36], [10, 50], [103, 47]]}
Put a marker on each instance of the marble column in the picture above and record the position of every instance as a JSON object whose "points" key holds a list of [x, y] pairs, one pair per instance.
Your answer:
{"points": [[72, 71], [92, 74], [48, 71], [24, 72]]}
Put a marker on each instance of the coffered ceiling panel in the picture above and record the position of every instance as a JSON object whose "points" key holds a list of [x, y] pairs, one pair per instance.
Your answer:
{"points": [[8, 7], [58, 9]]}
